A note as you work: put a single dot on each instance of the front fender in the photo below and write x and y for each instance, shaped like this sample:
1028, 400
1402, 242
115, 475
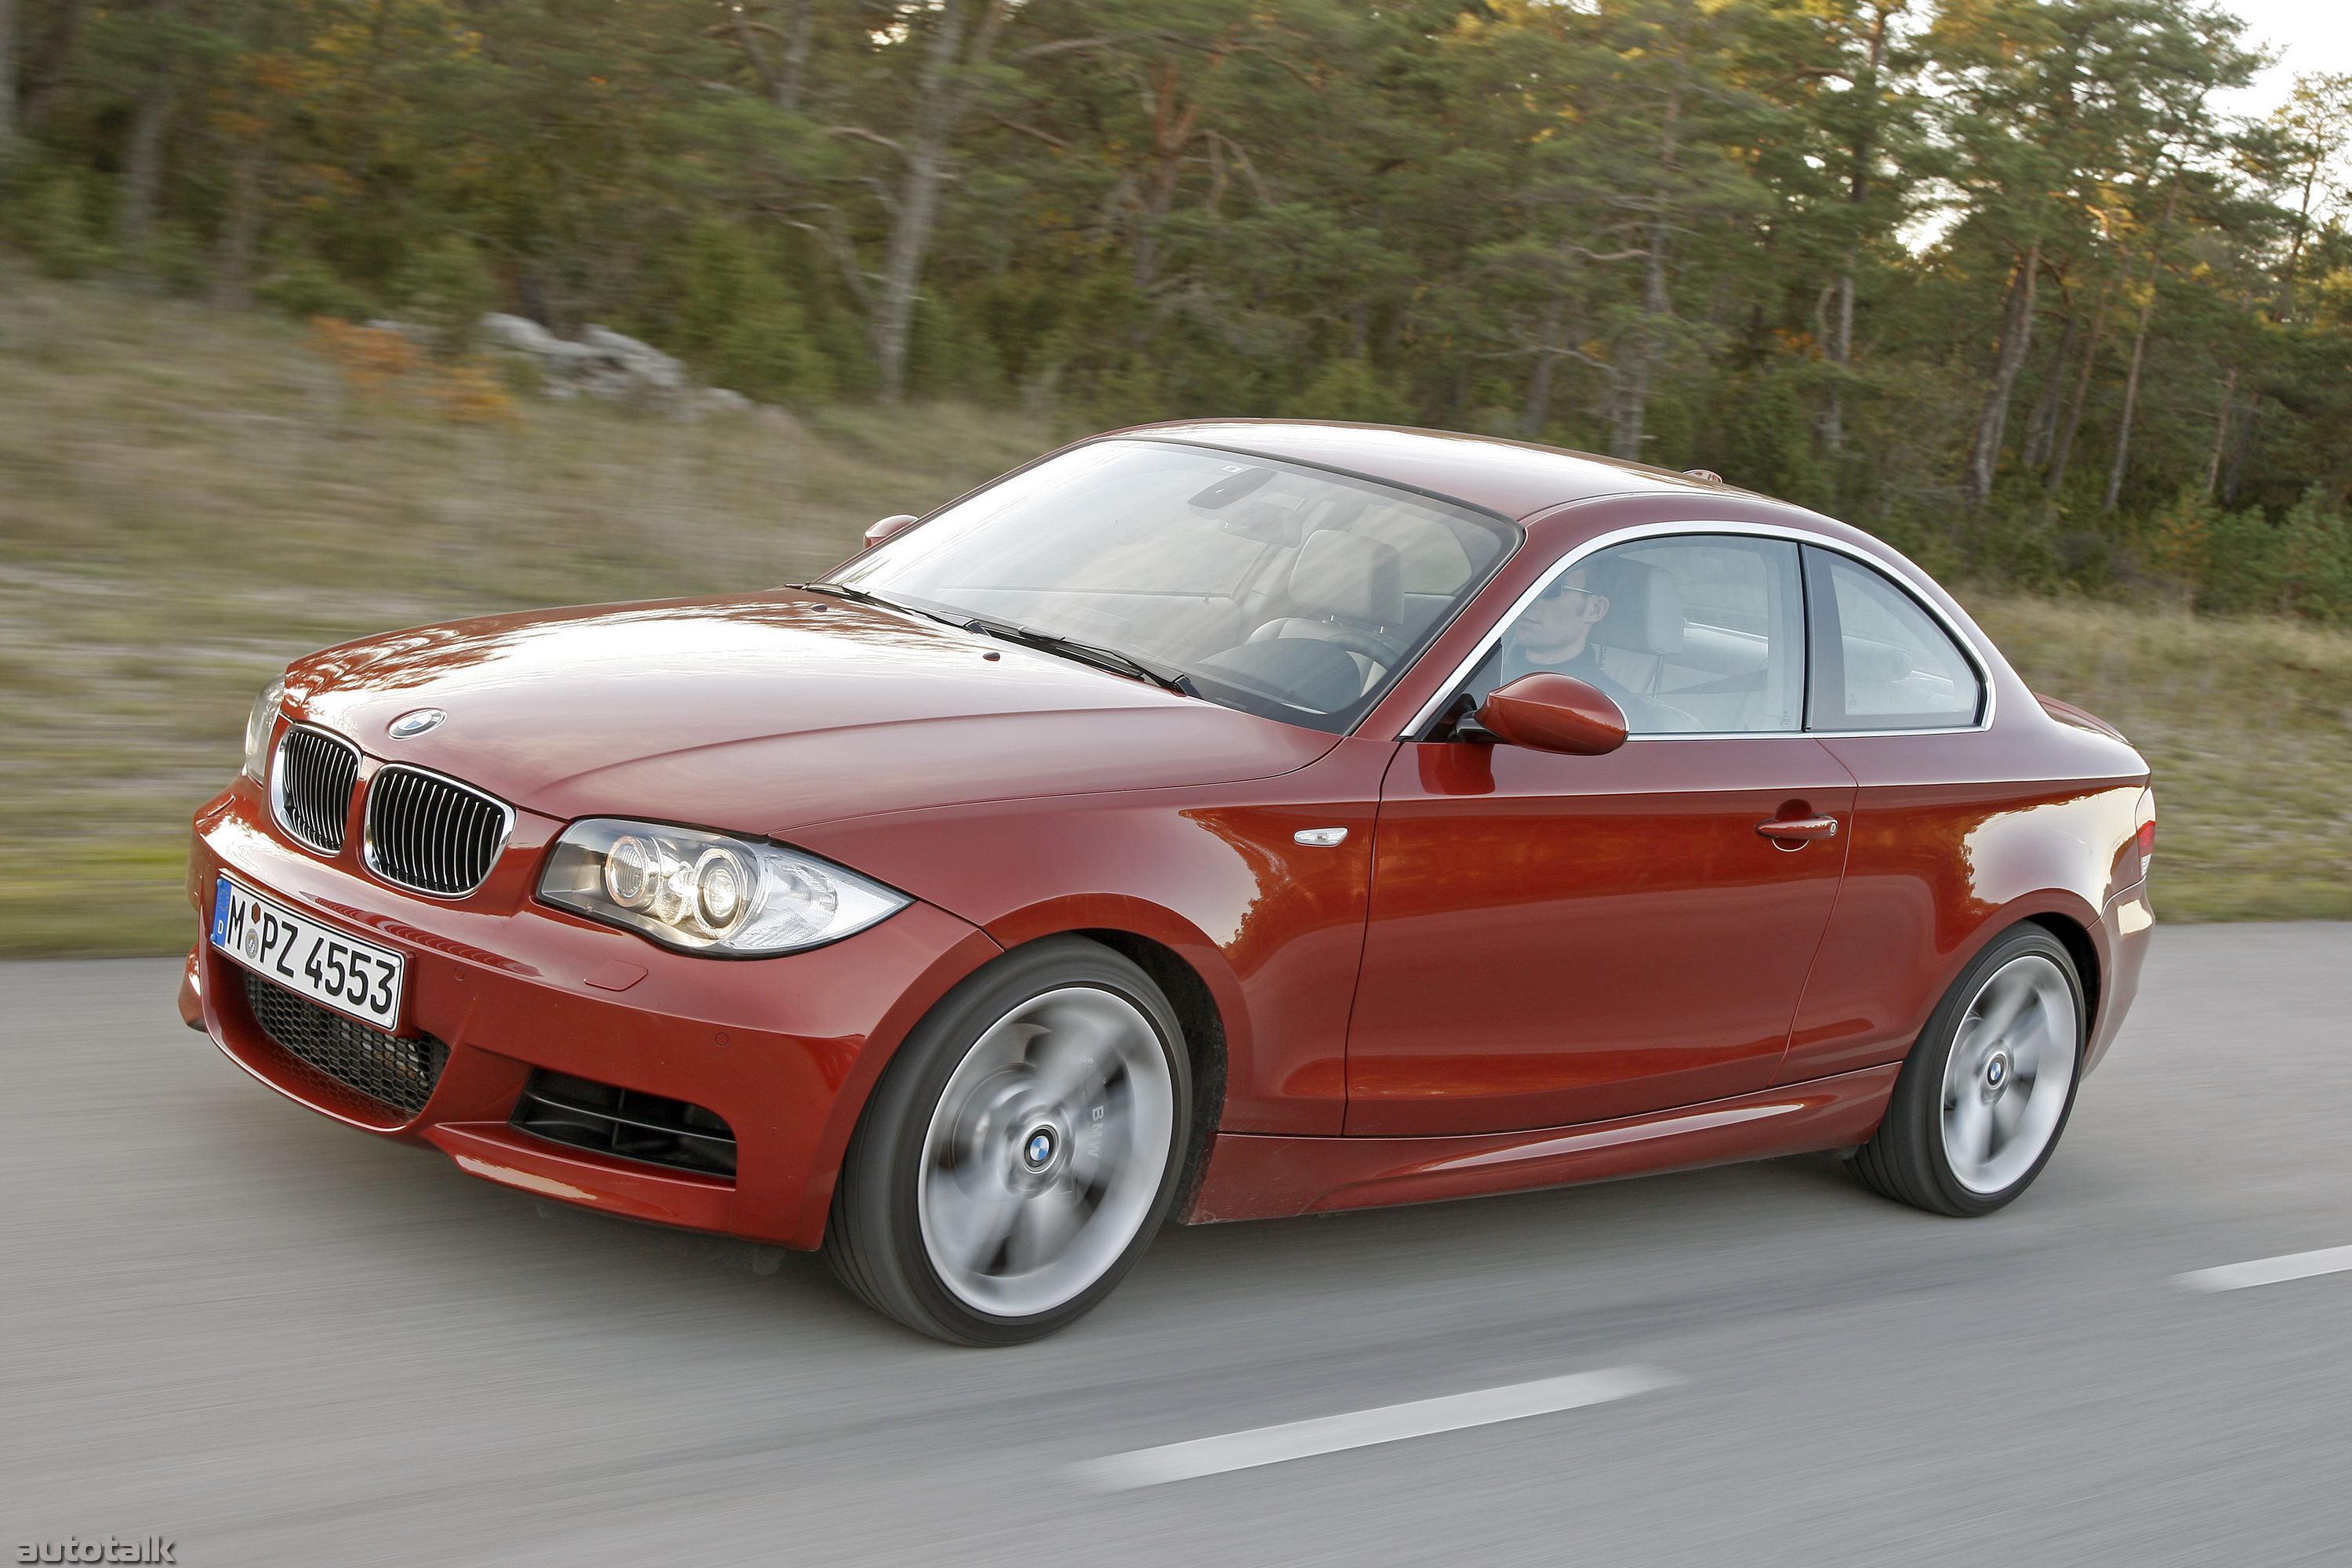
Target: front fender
1274, 928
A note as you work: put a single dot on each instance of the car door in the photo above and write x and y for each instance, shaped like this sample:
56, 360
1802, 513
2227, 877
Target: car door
1899, 700
1555, 939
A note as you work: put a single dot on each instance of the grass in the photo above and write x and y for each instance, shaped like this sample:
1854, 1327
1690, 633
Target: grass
2247, 725
188, 500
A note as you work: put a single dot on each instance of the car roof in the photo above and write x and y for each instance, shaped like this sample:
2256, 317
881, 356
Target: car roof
1516, 478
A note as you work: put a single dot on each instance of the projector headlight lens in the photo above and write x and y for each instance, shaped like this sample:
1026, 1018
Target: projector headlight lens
709, 892
632, 870
258, 723
722, 889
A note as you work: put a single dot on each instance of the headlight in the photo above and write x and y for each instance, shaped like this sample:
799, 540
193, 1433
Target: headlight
257, 725
709, 892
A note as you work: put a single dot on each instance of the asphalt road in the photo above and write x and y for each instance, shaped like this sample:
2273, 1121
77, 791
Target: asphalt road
277, 1340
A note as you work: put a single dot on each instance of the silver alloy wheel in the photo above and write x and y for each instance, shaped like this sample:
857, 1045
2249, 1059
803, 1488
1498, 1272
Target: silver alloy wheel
1045, 1151
2007, 1077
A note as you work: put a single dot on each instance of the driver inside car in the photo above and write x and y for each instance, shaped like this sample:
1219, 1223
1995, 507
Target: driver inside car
1555, 634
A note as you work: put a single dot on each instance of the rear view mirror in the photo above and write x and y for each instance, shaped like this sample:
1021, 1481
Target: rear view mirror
1265, 523
889, 526
1231, 488
1548, 711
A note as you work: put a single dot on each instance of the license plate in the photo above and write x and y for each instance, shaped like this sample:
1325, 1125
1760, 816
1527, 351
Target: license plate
331, 967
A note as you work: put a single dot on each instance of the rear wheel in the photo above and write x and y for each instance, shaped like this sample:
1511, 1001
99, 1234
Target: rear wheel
1986, 1091
1019, 1151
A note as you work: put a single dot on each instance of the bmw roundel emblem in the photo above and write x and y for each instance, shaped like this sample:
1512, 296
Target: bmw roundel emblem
408, 726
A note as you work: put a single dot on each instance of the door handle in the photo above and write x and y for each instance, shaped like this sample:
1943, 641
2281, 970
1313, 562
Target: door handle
1804, 829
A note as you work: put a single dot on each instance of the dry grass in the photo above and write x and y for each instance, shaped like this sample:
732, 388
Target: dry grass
188, 500
2248, 727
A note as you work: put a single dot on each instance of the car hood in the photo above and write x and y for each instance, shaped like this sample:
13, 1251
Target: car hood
760, 713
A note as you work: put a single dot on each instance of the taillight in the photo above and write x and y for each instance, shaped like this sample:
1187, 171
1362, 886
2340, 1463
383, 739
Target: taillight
2146, 836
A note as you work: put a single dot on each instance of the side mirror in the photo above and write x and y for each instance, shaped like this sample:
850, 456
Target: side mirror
1548, 711
889, 526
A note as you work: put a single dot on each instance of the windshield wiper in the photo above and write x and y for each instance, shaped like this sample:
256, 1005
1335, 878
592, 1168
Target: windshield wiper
860, 596
1168, 677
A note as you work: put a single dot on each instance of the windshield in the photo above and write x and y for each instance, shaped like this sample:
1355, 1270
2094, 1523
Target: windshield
1277, 589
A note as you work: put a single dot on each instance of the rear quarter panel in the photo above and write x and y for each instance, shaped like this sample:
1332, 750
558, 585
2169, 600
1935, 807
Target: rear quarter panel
1957, 837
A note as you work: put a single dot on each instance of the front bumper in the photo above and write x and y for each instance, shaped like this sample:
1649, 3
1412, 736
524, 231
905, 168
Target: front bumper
783, 1049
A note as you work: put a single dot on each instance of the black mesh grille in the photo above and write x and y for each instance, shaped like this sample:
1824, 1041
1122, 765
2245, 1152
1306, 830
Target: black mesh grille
400, 1073
612, 1121
315, 776
431, 833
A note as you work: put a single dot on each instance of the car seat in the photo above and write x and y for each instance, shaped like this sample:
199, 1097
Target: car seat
1347, 589
1642, 631
1644, 620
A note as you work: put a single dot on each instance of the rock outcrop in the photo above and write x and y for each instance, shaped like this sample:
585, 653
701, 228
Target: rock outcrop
607, 365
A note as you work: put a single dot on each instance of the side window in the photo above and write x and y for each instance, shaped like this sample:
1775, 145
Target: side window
1699, 634
1880, 661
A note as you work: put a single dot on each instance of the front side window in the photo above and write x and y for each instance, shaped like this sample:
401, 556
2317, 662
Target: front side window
1880, 661
1698, 634
1272, 587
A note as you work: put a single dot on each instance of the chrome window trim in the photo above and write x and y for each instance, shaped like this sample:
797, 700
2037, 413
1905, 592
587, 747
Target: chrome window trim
278, 785
1960, 640
367, 831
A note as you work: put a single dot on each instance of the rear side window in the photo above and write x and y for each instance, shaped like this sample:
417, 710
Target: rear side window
1879, 660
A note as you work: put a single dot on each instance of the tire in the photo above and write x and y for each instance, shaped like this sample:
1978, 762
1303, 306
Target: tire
1986, 1092
1020, 1150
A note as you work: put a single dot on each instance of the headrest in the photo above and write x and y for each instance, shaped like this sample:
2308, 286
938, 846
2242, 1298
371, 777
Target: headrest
1349, 575
1645, 613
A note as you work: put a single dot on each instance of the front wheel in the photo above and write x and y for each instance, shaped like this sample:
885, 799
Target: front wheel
1986, 1091
1019, 1151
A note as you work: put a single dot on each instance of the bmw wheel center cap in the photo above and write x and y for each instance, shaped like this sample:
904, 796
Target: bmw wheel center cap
408, 726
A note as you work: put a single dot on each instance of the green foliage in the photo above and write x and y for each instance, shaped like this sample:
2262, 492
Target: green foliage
951, 355
734, 319
2246, 561
49, 213
174, 260
2180, 543
1759, 427
444, 288
305, 287
1680, 231
2315, 558
1350, 389
2241, 567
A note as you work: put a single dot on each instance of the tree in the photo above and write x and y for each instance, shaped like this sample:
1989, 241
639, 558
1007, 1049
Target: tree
7, 79
1879, 254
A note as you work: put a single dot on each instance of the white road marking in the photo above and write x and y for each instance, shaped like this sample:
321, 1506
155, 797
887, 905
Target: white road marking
2269, 1270
1363, 1428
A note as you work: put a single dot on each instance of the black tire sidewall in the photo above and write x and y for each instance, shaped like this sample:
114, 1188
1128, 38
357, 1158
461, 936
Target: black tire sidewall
1908, 1152
875, 1235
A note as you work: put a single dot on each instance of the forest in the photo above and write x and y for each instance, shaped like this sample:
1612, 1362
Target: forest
1997, 280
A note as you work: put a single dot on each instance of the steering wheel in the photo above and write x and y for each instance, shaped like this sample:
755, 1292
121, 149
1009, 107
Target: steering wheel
1379, 650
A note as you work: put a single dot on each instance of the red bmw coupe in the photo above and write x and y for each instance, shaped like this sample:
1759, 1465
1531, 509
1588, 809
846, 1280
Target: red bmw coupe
1208, 821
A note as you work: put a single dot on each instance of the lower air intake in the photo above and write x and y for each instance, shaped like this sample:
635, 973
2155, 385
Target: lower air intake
400, 1073
621, 1122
